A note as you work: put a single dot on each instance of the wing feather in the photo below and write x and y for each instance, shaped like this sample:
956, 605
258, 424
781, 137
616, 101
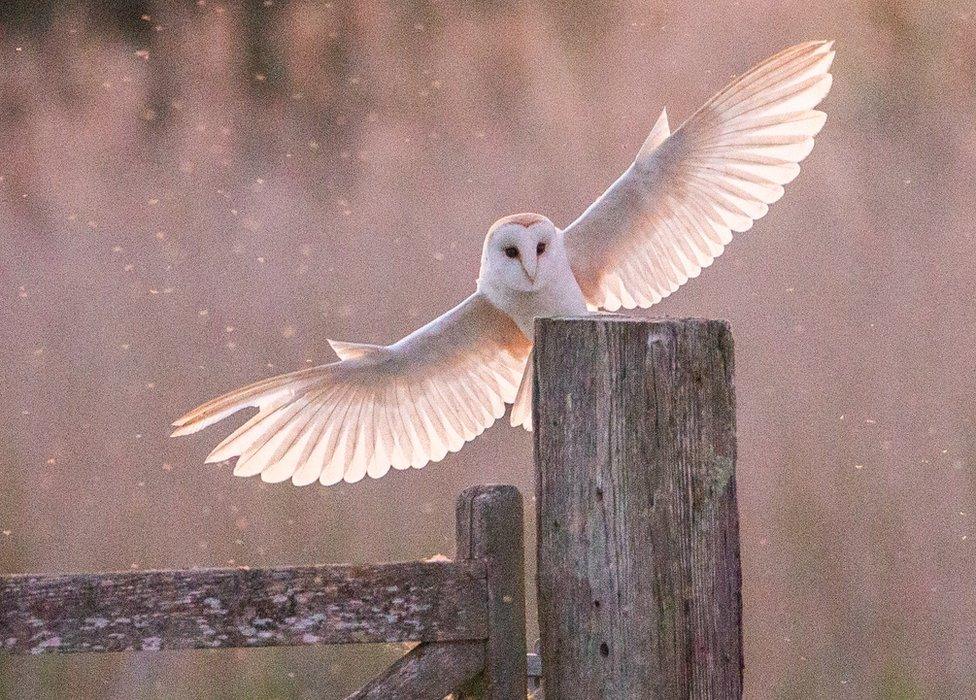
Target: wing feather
398, 406
675, 209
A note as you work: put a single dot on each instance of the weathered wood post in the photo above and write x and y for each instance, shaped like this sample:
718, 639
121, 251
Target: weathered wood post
490, 528
638, 542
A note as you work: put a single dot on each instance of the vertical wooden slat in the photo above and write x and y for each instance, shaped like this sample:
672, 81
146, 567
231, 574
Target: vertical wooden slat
490, 528
639, 575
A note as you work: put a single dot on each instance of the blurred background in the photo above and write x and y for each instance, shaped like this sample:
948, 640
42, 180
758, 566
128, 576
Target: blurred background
194, 195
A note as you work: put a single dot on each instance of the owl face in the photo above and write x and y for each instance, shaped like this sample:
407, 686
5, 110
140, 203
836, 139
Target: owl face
520, 253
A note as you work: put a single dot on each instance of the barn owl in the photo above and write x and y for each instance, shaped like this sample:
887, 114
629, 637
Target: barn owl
668, 216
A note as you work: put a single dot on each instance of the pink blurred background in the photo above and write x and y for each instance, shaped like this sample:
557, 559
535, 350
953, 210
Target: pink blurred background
196, 195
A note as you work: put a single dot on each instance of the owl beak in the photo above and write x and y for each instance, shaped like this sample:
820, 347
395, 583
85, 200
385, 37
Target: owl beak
530, 268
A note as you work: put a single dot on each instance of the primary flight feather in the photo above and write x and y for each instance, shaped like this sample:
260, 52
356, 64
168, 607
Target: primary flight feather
669, 215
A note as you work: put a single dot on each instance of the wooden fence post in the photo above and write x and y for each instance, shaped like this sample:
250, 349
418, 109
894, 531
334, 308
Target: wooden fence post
490, 528
638, 542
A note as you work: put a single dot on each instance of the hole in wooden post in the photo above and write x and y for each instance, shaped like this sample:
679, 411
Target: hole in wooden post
599, 493
604, 649
596, 604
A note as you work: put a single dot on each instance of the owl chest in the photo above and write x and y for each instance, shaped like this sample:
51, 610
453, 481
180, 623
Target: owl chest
554, 300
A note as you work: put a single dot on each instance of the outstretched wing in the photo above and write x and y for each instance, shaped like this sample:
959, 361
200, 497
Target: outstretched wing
674, 209
401, 405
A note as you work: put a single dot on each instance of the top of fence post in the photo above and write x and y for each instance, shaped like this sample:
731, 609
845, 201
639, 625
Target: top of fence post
490, 528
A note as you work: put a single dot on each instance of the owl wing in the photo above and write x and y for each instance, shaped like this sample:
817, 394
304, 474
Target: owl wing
399, 406
674, 210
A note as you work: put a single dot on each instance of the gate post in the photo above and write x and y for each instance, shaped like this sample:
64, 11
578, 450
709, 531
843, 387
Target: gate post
638, 539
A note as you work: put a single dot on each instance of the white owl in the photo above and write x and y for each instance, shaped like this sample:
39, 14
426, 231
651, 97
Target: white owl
669, 215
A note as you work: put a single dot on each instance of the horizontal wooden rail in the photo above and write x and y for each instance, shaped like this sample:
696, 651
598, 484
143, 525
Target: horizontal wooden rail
468, 615
212, 608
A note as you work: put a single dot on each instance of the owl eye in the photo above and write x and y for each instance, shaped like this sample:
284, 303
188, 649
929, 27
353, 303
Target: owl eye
540, 249
511, 251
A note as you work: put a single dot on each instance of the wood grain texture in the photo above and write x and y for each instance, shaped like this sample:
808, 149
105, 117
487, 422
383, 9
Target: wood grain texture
490, 529
639, 574
209, 608
430, 671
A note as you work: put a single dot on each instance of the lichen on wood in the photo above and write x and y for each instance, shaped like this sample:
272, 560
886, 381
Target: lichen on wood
210, 608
